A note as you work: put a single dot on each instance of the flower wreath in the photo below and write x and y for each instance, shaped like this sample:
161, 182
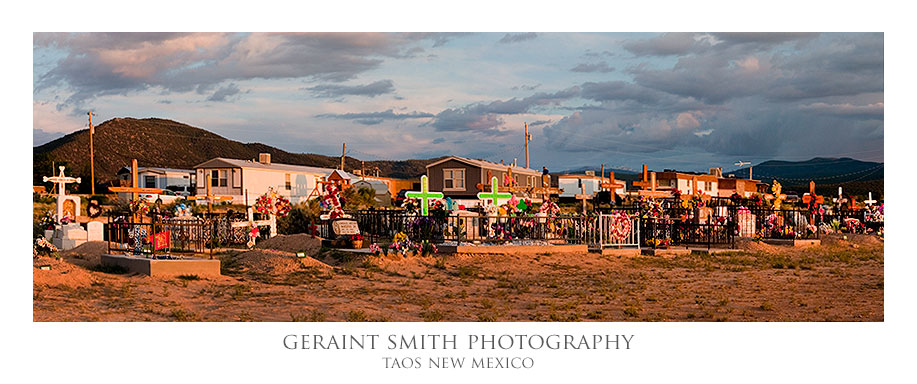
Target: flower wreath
271, 203
94, 209
139, 206
620, 226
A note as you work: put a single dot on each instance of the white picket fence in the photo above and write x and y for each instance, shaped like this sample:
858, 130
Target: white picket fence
605, 238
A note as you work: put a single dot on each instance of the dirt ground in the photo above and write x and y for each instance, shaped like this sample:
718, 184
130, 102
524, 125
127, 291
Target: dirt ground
841, 280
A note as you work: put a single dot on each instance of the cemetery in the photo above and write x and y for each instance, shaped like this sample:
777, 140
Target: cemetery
342, 238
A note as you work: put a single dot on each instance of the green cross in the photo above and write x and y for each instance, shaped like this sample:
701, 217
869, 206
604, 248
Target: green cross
494, 195
424, 195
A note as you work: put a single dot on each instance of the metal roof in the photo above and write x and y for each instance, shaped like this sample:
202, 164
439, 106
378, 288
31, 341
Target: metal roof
235, 163
486, 164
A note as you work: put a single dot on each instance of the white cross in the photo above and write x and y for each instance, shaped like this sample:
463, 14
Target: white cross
870, 201
61, 181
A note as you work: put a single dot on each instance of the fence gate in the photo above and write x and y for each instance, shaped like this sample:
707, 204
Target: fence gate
615, 230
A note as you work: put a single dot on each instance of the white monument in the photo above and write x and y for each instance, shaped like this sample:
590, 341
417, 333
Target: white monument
95, 231
70, 235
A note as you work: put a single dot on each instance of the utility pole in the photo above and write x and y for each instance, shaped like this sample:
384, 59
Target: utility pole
741, 163
343, 150
92, 165
526, 144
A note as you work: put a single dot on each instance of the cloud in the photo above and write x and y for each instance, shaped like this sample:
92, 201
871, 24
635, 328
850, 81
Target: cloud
485, 117
374, 89
524, 87
97, 65
539, 122
385, 115
517, 37
40, 137
438, 140
664, 45
369, 121
876, 110
593, 67
224, 93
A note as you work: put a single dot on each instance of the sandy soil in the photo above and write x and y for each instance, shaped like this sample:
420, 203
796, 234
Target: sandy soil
842, 280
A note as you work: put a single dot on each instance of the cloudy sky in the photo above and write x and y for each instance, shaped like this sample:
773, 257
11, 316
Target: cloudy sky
671, 100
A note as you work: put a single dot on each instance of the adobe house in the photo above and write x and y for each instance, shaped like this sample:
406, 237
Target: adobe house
235, 178
459, 177
687, 183
744, 187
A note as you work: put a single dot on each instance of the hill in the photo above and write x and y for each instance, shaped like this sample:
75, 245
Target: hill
855, 176
166, 143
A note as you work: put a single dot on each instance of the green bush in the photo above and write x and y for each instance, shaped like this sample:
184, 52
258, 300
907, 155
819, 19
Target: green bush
300, 217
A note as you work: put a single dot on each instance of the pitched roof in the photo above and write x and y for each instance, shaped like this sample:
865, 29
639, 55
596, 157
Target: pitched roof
127, 169
485, 164
235, 163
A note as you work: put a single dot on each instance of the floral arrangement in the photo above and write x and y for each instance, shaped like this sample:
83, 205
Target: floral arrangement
811, 229
354, 237
853, 225
620, 226
736, 198
875, 213
375, 249
776, 189
411, 205
42, 247
402, 244
139, 206
516, 207
756, 200
658, 242
550, 208
47, 221
651, 209
676, 194
271, 203
252, 235
94, 209
182, 210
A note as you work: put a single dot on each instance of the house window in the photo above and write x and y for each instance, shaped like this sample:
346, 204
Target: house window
149, 181
708, 186
218, 178
454, 179
286, 179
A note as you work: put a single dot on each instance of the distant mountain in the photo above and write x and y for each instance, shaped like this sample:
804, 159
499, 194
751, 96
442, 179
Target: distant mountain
165, 143
820, 169
855, 176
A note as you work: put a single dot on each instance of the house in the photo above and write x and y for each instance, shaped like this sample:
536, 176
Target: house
153, 177
687, 183
588, 184
383, 196
396, 185
462, 178
245, 180
744, 187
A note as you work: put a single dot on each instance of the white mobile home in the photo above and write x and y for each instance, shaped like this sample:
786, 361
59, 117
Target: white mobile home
241, 178
152, 177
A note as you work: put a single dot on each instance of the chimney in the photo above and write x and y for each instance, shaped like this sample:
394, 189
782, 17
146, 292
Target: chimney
718, 172
590, 173
264, 158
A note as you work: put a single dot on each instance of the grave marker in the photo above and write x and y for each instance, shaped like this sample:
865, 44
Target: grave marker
72, 204
424, 195
344, 227
494, 194
869, 201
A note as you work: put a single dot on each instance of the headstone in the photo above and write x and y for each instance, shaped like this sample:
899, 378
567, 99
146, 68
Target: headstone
345, 227
69, 236
469, 224
746, 221
95, 231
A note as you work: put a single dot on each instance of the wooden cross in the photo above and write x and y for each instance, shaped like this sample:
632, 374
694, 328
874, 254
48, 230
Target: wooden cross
424, 195
210, 197
583, 196
494, 194
808, 198
134, 190
870, 201
61, 181
651, 184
